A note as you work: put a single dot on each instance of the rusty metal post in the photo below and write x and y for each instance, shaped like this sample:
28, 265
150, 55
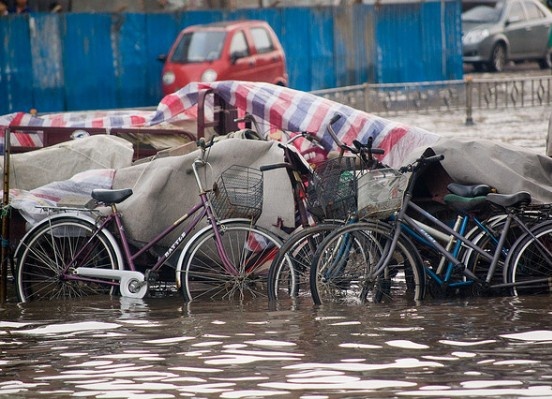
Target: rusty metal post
469, 105
5, 220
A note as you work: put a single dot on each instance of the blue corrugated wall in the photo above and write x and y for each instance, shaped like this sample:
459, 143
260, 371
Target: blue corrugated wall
68, 62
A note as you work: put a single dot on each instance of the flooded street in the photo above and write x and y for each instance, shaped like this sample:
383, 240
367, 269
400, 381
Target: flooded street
160, 348
112, 347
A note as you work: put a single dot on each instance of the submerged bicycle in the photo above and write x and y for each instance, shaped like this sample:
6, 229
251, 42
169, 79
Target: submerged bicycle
75, 253
378, 261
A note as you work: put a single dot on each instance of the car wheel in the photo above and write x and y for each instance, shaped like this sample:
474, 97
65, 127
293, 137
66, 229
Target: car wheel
498, 58
546, 62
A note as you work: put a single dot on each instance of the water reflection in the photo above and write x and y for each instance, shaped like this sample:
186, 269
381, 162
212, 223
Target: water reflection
161, 348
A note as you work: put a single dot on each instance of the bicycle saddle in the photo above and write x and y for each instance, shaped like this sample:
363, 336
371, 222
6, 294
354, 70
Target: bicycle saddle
469, 190
111, 196
509, 200
464, 203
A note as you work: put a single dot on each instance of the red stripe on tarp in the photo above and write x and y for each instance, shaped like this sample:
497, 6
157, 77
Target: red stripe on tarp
137, 120
23, 139
16, 121
392, 138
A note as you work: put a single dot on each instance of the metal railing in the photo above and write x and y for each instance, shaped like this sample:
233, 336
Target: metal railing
469, 94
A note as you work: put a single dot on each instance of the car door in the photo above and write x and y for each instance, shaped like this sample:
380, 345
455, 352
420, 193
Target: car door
242, 62
538, 27
515, 30
268, 60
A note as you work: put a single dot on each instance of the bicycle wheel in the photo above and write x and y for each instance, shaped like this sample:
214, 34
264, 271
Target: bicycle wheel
250, 249
529, 264
288, 275
43, 270
343, 267
488, 241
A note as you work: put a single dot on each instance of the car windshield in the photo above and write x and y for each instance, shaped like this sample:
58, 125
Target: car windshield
199, 46
482, 12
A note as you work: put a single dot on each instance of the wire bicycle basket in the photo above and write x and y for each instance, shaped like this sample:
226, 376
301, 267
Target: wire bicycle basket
238, 193
380, 192
332, 191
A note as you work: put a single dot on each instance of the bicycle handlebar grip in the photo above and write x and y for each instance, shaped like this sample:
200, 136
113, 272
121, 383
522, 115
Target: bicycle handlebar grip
335, 118
276, 166
433, 158
368, 147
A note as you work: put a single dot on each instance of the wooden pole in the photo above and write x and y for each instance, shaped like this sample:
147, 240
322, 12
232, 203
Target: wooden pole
5, 220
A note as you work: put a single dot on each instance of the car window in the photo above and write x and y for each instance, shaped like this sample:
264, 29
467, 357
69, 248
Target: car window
488, 12
262, 40
199, 46
516, 13
533, 11
238, 46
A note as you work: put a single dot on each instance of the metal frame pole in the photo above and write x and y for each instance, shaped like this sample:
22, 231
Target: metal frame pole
5, 219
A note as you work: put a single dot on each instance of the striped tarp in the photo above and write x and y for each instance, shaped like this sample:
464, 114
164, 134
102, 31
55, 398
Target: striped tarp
276, 106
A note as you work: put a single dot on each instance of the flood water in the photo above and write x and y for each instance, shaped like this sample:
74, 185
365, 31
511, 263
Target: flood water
160, 348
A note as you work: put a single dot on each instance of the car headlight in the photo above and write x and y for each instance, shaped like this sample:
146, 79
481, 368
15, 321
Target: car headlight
209, 75
475, 36
168, 78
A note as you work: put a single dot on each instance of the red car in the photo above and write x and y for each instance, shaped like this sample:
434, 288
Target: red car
235, 50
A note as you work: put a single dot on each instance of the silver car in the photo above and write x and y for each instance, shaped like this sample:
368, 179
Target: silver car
498, 31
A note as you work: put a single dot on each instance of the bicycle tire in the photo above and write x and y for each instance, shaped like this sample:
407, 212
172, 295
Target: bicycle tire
204, 276
403, 279
479, 265
45, 250
288, 276
530, 259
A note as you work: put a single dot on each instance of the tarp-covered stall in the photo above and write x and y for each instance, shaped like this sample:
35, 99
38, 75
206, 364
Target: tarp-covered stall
163, 187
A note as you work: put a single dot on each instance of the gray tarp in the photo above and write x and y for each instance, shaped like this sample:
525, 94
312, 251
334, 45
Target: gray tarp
59, 162
508, 168
165, 188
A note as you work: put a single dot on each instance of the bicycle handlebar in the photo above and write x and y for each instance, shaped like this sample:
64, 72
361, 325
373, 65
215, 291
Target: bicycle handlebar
421, 162
368, 147
358, 146
286, 165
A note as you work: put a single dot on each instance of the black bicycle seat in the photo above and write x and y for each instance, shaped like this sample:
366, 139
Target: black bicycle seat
509, 200
111, 196
469, 190
464, 203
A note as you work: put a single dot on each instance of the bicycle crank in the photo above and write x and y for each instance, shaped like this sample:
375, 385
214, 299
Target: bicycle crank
132, 284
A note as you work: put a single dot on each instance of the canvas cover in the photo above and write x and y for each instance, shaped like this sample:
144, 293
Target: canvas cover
60, 162
165, 188
506, 167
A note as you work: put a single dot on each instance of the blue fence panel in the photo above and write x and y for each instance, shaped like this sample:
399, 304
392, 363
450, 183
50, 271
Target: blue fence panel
453, 40
89, 63
16, 75
47, 63
322, 47
200, 17
418, 42
398, 40
161, 30
294, 35
129, 31
353, 44
364, 30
